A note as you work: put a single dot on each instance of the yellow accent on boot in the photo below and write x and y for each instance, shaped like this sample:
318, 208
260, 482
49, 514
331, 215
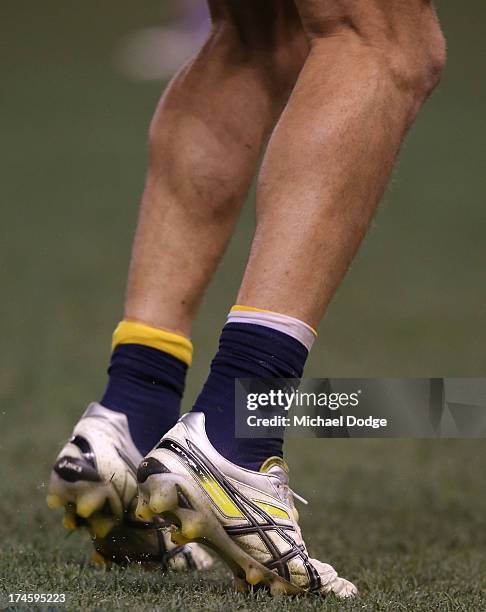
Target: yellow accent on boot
130, 332
271, 461
273, 510
220, 498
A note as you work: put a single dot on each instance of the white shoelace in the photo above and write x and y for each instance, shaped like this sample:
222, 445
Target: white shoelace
287, 491
297, 496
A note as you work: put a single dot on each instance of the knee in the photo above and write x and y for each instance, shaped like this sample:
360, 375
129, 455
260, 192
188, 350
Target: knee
416, 60
403, 41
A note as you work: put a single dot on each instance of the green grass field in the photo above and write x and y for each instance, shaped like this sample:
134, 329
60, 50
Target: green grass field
404, 519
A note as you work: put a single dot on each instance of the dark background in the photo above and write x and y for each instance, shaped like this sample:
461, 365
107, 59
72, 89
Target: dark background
73, 144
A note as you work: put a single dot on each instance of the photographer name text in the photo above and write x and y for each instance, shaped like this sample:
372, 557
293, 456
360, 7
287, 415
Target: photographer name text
317, 421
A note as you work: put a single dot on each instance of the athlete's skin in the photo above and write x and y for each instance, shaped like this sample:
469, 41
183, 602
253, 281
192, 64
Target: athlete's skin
342, 81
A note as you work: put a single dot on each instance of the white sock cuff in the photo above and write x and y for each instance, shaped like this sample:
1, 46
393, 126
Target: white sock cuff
283, 323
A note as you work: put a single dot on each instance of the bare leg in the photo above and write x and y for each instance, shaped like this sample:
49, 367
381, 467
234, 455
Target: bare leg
205, 142
371, 66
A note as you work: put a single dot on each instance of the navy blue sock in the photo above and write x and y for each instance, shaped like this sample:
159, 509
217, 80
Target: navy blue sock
246, 351
146, 385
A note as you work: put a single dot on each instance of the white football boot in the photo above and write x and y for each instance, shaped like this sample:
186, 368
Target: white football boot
247, 517
94, 479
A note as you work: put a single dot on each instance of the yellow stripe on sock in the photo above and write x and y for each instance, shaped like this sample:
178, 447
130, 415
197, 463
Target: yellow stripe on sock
129, 332
249, 309
252, 309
